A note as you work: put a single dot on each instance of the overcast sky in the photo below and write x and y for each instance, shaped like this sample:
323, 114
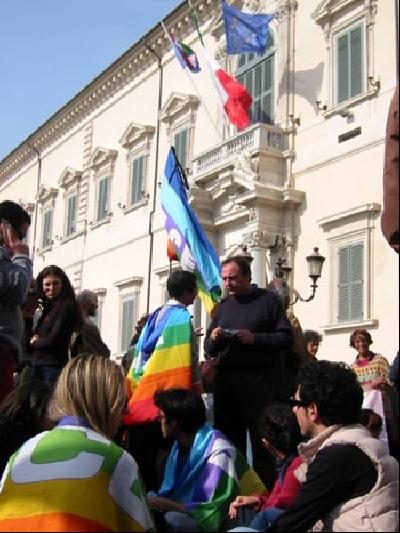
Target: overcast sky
50, 49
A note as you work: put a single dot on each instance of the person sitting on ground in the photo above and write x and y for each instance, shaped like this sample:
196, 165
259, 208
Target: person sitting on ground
22, 416
281, 435
204, 471
74, 477
349, 481
87, 338
372, 421
312, 339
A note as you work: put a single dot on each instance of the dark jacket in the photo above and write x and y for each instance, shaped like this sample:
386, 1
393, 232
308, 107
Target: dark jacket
262, 313
88, 341
54, 328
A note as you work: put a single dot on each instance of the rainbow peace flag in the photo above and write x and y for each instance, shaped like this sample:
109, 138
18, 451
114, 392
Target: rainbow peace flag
194, 250
215, 473
72, 479
162, 360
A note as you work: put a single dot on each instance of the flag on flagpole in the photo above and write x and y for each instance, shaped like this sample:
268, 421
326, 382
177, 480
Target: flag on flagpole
185, 55
245, 32
193, 248
234, 97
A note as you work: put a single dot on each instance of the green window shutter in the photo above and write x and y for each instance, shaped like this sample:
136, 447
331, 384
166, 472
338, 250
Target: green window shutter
343, 285
343, 68
47, 228
71, 215
356, 63
356, 269
137, 179
102, 203
128, 306
181, 147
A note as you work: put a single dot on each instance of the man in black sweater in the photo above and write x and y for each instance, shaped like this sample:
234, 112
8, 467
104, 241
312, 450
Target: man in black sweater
249, 334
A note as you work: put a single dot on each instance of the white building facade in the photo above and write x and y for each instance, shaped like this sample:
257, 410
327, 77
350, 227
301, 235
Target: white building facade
306, 173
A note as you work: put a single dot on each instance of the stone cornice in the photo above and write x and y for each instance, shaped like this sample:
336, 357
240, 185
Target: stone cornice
124, 70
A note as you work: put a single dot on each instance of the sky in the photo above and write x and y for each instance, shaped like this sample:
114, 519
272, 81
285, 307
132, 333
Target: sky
51, 49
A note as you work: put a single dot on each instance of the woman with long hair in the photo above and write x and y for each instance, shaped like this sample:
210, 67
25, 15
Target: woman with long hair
56, 319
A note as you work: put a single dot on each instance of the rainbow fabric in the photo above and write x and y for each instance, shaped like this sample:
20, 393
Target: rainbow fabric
72, 479
162, 359
184, 230
214, 474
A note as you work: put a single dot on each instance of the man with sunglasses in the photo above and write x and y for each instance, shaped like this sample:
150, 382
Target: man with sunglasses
349, 482
15, 279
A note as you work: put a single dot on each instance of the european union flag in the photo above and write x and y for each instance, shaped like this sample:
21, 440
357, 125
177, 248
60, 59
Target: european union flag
245, 32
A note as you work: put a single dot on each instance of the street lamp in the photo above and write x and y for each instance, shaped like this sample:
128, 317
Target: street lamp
315, 262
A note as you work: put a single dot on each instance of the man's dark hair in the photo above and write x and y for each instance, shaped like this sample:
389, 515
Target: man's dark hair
15, 215
181, 281
184, 406
279, 426
312, 336
242, 263
334, 388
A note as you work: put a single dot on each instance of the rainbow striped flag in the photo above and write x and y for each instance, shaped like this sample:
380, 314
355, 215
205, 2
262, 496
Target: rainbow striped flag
162, 360
214, 474
72, 479
194, 250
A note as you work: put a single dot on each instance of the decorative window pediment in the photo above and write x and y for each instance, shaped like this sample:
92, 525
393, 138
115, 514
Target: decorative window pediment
329, 9
46, 194
69, 178
136, 134
102, 158
179, 106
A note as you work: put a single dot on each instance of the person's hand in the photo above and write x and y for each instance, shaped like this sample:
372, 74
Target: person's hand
245, 336
217, 334
12, 240
378, 383
241, 501
154, 502
198, 332
34, 339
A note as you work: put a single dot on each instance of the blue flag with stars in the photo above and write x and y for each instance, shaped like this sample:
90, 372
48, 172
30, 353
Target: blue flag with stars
245, 32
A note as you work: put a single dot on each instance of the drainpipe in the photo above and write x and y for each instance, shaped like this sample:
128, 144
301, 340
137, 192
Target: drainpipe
38, 180
153, 210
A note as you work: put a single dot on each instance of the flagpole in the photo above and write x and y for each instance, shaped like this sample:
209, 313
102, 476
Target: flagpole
196, 90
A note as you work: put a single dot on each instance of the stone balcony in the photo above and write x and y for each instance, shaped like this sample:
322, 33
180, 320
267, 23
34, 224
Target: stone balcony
260, 141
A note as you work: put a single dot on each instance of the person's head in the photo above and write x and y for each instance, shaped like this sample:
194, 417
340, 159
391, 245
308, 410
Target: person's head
180, 410
372, 421
312, 339
279, 429
91, 387
16, 216
328, 393
88, 302
236, 275
27, 402
182, 286
361, 340
52, 282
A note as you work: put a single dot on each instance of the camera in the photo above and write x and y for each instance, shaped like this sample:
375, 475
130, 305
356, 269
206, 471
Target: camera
229, 332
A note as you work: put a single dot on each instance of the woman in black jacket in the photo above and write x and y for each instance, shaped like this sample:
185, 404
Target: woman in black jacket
58, 316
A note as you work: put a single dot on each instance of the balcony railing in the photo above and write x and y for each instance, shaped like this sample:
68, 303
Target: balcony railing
258, 137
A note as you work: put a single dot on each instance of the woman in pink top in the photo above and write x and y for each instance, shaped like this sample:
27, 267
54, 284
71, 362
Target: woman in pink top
280, 434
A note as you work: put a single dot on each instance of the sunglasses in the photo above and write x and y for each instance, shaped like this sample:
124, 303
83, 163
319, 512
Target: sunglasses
293, 402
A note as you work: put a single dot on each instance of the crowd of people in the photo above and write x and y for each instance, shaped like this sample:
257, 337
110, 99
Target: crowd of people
87, 444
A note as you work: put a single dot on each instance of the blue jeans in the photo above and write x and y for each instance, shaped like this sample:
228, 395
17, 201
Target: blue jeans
180, 522
264, 519
48, 374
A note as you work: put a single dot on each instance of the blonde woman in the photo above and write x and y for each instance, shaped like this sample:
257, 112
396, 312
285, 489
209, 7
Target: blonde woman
74, 477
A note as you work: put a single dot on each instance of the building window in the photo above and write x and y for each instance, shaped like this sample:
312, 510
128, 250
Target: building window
350, 63
47, 227
256, 73
103, 185
137, 179
181, 146
128, 317
71, 215
351, 282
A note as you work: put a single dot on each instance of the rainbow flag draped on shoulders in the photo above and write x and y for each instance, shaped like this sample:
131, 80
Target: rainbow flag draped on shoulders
72, 479
162, 359
214, 474
194, 250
